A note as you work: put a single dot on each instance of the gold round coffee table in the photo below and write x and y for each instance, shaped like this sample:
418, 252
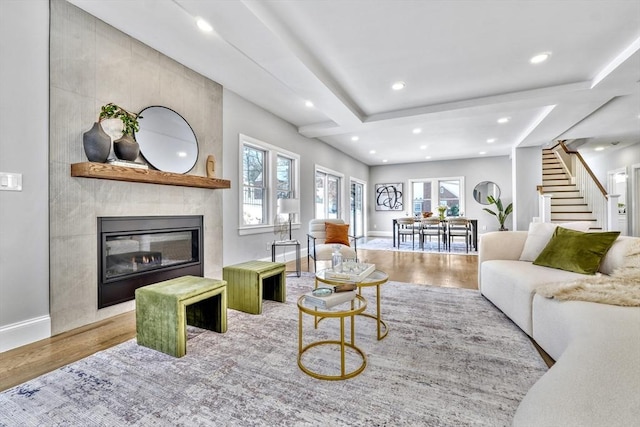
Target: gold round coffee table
341, 311
377, 278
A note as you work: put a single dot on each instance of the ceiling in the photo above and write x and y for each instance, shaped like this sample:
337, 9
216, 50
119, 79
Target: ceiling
465, 64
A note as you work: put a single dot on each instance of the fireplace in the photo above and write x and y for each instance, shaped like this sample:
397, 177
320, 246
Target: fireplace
138, 251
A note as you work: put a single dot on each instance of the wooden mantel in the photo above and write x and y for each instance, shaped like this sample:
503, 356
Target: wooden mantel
121, 173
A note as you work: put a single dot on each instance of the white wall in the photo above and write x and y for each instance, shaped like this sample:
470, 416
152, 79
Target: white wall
24, 216
242, 117
527, 166
601, 163
496, 169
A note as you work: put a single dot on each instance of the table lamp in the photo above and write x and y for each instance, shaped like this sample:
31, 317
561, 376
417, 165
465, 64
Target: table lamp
290, 207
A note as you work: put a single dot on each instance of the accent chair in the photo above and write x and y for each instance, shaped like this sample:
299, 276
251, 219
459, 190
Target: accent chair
319, 249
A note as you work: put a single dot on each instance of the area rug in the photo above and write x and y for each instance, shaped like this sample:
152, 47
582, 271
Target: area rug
386, 244
450, 359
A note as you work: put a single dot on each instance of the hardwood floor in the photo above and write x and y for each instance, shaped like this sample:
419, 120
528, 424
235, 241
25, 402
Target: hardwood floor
27, 362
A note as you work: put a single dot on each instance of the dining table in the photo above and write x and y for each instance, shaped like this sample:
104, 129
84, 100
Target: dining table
474, 231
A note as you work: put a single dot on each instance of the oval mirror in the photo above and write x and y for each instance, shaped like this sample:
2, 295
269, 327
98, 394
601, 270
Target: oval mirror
485, 189
166, 140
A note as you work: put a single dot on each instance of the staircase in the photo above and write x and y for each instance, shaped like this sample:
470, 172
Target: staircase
567, 205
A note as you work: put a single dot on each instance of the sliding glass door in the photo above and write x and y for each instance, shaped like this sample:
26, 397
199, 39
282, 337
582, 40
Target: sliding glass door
327, 195
357, 209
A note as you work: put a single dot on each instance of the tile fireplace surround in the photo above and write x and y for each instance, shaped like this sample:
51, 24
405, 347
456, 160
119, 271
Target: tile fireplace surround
92, 64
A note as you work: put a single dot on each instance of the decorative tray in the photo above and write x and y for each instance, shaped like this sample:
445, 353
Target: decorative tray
351, 272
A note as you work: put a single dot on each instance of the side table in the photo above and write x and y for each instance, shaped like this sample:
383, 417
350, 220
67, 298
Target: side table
342, 311
287, 243
377, 278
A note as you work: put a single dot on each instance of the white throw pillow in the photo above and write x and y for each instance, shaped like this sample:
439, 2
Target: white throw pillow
540, 233
615, 256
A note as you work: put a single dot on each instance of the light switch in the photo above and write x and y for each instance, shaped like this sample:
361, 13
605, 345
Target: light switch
10, 181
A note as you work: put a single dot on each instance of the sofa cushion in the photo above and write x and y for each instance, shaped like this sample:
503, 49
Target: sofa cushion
541, 232
510, 286
595, 383
615, 257
556, 323
576, 251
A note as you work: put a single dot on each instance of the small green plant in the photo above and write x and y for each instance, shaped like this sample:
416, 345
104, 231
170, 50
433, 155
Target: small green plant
129, 120
502, 214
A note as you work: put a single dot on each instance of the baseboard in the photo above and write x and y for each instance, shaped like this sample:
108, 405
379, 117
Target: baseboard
379, 234
25, 332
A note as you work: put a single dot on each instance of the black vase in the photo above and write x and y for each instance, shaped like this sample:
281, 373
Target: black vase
126, 148
96, 143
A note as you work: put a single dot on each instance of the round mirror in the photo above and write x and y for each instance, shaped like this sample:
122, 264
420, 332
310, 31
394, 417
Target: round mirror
485, 189
166, 140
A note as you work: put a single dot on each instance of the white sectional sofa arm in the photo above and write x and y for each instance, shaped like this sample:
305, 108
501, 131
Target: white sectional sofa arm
506, 245
501, 245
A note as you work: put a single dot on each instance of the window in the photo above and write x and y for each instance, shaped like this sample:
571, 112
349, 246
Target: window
269, 173
285, 177
328, 194
254, 191
447, 192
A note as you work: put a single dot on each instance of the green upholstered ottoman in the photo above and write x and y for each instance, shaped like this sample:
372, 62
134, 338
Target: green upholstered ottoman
164, 309
249, 282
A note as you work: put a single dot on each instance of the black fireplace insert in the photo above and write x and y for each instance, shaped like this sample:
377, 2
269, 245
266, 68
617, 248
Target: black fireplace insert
138, 251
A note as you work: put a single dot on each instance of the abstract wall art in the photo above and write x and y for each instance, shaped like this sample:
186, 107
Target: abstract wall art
389, 197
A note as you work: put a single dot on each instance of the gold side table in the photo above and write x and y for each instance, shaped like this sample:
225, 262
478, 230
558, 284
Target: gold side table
342, 311
377, 279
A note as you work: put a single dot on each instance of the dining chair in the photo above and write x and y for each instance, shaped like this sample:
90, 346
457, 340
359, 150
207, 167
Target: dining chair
408, 227
459, 227
430, 227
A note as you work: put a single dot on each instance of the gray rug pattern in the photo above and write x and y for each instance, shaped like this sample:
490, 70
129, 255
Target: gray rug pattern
386, 244
450, 359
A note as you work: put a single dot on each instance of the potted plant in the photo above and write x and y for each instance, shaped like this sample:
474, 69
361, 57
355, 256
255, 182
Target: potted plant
125, 147
129, 120
502, 214
441, 210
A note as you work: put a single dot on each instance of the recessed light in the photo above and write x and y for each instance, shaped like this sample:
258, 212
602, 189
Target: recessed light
541, 57
385, 161
482, 153
423, 147
372, 152
355, 138
398, 85
504, 119
599, 148
491, 140
203, 25
308, 104
417, 131
427, 157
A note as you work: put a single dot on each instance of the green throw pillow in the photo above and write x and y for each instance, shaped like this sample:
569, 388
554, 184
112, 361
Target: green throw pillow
576, 251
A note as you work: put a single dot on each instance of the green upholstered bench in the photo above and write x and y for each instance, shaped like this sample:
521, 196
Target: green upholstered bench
164, 309
250, 282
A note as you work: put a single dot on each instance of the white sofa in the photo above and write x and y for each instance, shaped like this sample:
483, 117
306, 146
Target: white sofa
596, 378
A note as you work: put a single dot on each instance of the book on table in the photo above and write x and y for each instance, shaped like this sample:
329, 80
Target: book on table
330, 300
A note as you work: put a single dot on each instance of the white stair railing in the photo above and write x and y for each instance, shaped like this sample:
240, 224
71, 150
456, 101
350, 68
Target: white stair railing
595, 196
545, 206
